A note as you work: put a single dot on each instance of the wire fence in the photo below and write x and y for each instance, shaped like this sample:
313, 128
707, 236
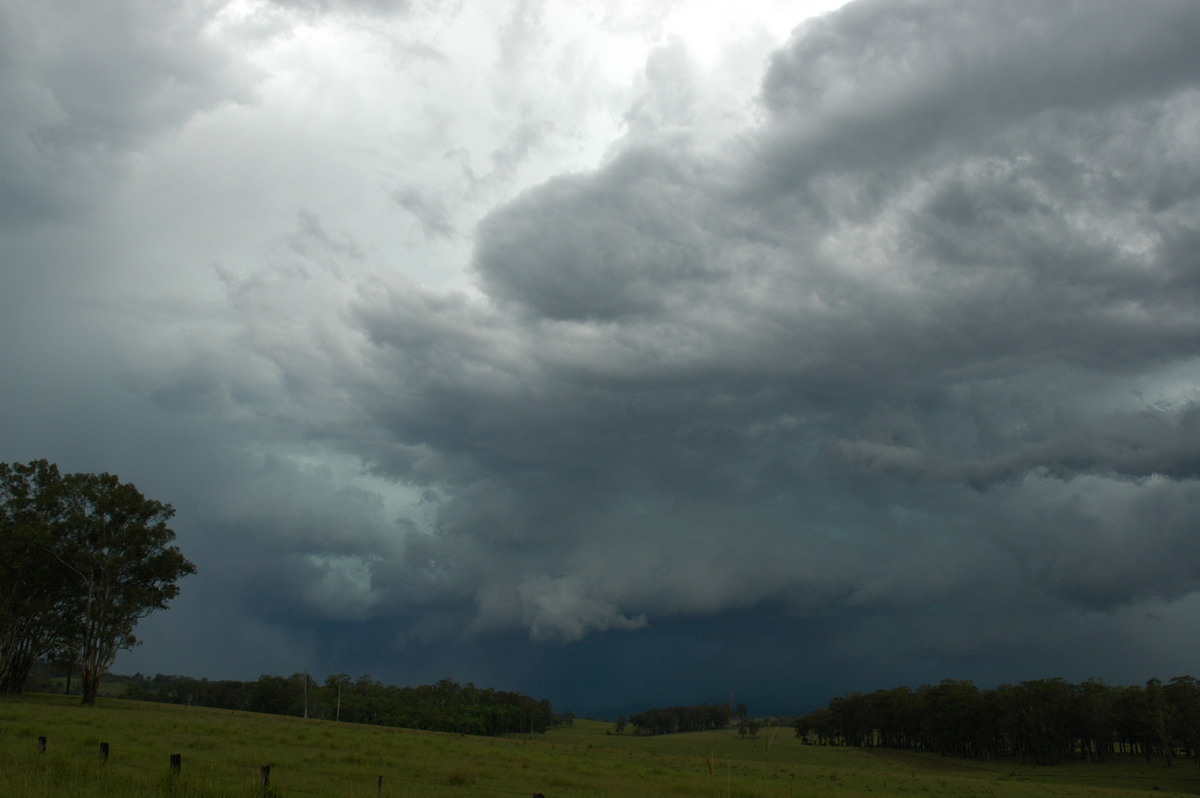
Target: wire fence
201, 775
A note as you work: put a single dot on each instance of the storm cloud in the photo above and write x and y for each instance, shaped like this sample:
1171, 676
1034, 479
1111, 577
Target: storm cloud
897, 350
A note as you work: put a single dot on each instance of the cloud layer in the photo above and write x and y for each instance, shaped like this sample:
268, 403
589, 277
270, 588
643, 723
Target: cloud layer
898, 350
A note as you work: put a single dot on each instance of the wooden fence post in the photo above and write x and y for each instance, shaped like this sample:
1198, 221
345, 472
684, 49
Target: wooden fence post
379, 789
41, 745
104, 753
264, 777
176, 764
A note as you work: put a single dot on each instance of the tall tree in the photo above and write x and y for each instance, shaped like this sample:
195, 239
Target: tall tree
33, 587
1096, 718
116, 545
1183, 696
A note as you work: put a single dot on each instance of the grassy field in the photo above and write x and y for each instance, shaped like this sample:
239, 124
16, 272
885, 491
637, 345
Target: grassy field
223, 752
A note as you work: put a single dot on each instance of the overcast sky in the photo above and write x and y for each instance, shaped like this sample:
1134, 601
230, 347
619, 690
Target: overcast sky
629, 356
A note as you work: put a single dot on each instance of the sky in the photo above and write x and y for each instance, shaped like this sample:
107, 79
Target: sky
625, 357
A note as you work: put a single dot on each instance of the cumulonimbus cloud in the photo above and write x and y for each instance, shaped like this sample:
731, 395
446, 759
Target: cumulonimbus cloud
952, 256
911, 337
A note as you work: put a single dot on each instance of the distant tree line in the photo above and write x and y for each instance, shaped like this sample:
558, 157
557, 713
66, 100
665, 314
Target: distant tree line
83, 557
1044, 721
670, 720
446, 706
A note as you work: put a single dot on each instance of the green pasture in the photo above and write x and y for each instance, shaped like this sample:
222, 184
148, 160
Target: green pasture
222, 753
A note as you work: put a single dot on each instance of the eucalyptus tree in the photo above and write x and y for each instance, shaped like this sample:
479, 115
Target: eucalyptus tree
1183, 697
33, 585
84, 558
117, 547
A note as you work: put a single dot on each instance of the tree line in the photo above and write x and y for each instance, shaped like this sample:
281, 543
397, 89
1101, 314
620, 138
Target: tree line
1044, 720
83, 557
670, 720
445, 706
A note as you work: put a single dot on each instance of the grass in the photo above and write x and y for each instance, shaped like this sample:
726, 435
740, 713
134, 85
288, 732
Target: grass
222, 753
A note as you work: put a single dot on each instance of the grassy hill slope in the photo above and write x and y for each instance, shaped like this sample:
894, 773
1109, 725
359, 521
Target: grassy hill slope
223, 752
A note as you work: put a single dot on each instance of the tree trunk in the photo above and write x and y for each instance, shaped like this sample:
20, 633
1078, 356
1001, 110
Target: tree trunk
20, 647
91, 686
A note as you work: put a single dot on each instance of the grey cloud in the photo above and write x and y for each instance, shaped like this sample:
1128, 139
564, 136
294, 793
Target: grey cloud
853, 90
855, 356
87, 84
521, 31
1057, 442
1102, 545
347, 6
313, 242
671, 96
430, 212
559, 608
522, 143
622, 243
918, 349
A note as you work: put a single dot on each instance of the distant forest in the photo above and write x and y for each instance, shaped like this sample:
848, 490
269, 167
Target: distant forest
669, 720
1044, 721
446, 706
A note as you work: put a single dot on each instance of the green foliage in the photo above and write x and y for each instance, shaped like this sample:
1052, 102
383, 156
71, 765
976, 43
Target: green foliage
84, 558
1045, 721
446, 706
673, 720
33, 583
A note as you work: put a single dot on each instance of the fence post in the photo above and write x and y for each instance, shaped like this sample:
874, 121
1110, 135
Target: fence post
104, 753
264, 777
41, 745
176, 763
379, 789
